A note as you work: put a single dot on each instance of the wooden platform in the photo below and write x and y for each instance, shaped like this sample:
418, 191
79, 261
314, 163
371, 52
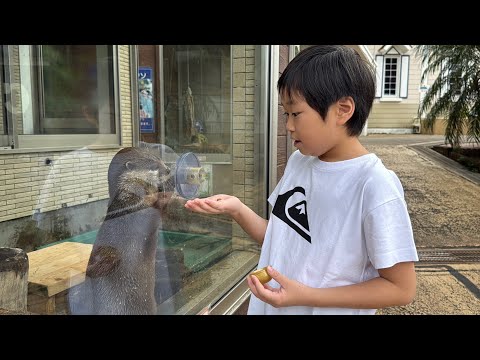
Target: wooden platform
52, 271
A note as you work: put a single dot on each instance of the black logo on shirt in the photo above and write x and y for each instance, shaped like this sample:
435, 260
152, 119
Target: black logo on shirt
295, 215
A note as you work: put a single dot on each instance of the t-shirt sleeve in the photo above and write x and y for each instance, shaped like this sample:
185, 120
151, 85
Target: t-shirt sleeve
291, 161
389, 236
273, 196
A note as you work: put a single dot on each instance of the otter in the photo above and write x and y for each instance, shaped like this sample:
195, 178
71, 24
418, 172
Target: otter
120, 275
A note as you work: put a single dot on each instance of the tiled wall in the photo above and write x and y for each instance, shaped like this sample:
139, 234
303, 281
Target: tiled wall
126, 130
243, 132
282, 138
28, 184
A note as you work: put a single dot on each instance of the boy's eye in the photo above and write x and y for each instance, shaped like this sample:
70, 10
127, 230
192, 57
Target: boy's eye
293, 114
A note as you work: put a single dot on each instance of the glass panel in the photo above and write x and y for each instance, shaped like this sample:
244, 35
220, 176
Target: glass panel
76, 87
198, 99
105, 229
390, 79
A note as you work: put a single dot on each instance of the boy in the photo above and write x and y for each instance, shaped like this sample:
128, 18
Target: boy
339, 240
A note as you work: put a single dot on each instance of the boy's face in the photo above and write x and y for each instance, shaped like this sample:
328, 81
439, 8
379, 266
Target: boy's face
311, 134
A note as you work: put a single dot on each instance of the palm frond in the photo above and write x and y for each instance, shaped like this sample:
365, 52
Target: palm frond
455, 93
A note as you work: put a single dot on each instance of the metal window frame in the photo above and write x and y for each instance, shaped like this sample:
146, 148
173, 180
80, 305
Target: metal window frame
274, 61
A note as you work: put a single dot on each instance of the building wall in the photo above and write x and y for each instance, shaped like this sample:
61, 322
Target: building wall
282, 137
397, 115
243, 133
386, 116
126, 117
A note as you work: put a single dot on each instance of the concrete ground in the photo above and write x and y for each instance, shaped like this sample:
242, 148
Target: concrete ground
444, 205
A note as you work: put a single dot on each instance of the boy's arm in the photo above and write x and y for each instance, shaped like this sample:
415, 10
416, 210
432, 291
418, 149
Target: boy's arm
254, 225
395, 286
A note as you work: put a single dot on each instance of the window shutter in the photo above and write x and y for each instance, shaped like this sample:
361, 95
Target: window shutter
404, 76
379, 85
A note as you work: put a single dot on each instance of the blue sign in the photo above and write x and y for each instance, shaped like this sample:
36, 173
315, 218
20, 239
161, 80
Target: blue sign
145, 97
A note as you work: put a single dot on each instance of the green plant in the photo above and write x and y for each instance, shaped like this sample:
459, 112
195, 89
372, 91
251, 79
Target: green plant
455, 93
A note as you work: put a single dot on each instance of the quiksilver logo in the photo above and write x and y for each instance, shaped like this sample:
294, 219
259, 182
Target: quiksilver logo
291, 208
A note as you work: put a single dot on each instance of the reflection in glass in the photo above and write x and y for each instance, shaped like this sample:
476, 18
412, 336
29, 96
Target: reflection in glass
135, 263
120, 275
198, 98
77, 89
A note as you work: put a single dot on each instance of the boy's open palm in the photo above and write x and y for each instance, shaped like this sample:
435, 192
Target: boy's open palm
288, 294
216, 204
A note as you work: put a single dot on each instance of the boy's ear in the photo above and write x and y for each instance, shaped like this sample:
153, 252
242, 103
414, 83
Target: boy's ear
345, 109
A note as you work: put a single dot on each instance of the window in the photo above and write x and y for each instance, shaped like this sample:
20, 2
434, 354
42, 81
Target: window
392, 75
75, 89
58, 90
198, 100
454, 81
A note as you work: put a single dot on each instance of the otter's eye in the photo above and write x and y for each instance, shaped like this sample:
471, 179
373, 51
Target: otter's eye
130, 165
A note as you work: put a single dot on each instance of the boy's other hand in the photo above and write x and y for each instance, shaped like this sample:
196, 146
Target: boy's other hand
288, 294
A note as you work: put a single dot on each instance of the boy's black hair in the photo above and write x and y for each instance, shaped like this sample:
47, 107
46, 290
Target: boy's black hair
323, 74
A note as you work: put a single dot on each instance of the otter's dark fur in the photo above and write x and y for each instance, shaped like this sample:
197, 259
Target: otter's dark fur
120, 276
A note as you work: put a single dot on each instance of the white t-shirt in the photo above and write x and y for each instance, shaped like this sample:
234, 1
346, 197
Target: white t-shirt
334, 224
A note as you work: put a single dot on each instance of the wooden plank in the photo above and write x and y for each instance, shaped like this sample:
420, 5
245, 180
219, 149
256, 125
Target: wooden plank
38, 304
58, 267
13, 279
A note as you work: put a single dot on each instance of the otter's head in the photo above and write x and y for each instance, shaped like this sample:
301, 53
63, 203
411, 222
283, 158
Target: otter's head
142, 172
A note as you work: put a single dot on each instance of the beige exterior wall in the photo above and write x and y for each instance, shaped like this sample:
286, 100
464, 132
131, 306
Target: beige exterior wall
401, 114
243, 133
27, 184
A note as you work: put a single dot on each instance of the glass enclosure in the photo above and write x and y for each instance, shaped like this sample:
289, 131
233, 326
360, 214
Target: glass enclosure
102, 146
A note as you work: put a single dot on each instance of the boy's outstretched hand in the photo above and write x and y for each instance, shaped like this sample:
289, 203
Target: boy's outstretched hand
216, 204
289, 293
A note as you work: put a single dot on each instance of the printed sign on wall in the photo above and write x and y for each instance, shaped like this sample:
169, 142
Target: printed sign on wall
145, 88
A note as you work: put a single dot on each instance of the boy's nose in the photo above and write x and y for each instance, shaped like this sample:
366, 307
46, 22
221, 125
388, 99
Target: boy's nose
289, 124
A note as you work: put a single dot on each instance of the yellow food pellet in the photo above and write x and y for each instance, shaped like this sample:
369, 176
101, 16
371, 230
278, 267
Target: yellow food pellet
262, 275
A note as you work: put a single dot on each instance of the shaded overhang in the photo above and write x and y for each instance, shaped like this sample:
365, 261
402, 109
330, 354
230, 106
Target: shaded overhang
402, 49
